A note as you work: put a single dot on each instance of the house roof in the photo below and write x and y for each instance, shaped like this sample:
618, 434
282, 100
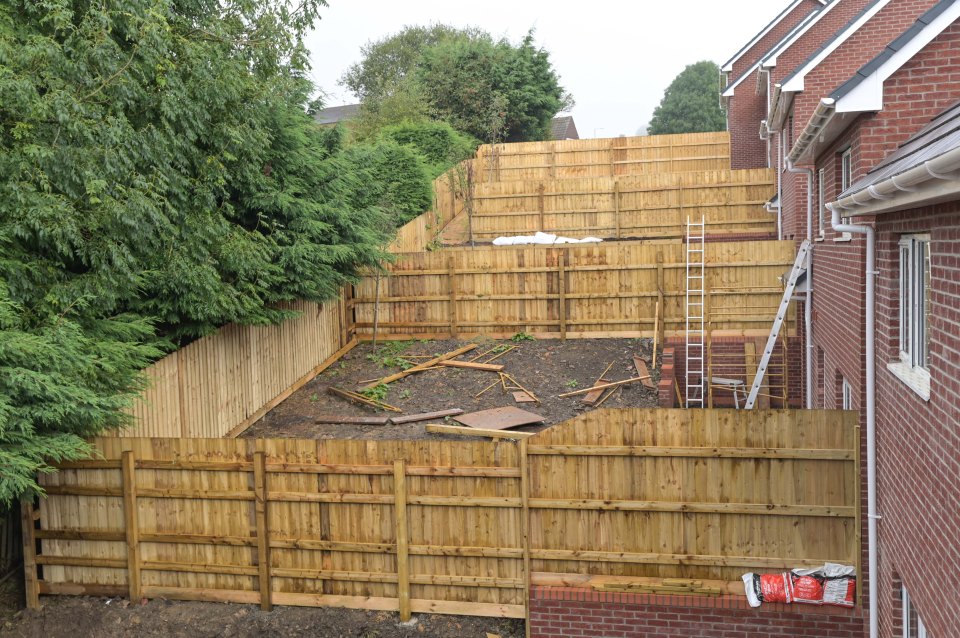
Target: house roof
922, 171
897, 45
794, 81
563, 128
334, 114
770, 59
728, 91
728, 65
940, 136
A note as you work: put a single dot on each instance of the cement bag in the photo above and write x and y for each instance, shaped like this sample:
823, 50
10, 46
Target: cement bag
807, 588
840, 586
767, 588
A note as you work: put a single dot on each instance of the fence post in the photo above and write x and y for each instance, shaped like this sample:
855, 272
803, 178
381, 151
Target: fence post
616, 205
400, 515
525, 528
131, 524
29, 553
263, 534
182, 395
660, 300
562, 290
540, 206
451, 274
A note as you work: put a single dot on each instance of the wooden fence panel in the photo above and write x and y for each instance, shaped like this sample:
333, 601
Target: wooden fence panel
227, 380
706, 494
609, 289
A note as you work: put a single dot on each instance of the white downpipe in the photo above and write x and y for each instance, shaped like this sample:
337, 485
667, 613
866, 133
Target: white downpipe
781, 153
807, 304
871, 371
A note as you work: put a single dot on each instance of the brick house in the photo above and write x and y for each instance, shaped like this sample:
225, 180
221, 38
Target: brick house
746, 109
862, 115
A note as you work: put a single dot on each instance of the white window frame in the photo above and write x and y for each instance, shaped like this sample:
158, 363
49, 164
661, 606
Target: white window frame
846, 178
822, 199
907, 610
913, 367
846, 394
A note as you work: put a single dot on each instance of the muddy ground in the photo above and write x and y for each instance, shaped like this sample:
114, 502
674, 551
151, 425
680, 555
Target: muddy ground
545, 367
85, 617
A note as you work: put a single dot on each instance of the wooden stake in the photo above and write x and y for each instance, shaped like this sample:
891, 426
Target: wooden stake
602, 387
517, 383
494, 358
400, 511
376, 312
437, 428
263, 539
29, 553
131, 524
359, 398
420, 367
482, 392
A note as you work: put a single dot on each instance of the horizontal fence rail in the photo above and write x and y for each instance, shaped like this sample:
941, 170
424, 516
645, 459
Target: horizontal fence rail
449, 526
615, 289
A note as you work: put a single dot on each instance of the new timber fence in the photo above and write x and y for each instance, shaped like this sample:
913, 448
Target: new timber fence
642, 206
226, 381
604, 157
623, 289
449, 526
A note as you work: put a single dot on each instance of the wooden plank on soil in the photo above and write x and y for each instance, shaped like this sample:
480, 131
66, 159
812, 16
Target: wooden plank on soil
425, 416
499, 418
487, 367
421, 367
436, 428
642, 371
359, 398
523, 397
602, 386
353, 420
593, 397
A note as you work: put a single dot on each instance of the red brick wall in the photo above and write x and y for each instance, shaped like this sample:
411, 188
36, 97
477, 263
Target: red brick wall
746, 108
558, 612
918, 441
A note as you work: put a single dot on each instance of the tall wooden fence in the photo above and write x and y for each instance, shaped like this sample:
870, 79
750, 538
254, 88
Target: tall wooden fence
588, 290
450, 526
644, 206
228, 380
605, 157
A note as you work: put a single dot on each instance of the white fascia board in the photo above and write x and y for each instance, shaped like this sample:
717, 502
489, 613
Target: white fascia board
728, 65
868, 95
795, 83
771, 60
728, 92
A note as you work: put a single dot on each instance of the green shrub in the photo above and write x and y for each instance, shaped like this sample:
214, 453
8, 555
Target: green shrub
440, 145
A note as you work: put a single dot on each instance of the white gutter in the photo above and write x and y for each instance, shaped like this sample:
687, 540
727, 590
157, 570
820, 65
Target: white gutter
821, 117
871, 400
807, 304
905, 188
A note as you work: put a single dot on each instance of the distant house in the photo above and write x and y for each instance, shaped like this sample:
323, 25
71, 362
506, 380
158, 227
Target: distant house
335, 114
563, 128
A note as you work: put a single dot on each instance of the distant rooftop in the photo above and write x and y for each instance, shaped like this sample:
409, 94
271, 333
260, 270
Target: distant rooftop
563, 128
334, 114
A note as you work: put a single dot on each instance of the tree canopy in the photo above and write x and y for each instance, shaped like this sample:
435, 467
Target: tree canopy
490, 89
159, 178
690, 104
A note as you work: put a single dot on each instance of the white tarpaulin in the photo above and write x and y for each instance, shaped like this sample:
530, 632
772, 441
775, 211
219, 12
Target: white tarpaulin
541, 238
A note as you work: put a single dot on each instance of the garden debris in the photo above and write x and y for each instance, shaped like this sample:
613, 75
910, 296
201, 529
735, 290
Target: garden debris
420, 367
500, 354
499, 381
353, 420
592, 397
602, 386
523, 397
425, 416
359, 398
437, 428
612, 392
499, 418
504, 377
472, 366
642, 371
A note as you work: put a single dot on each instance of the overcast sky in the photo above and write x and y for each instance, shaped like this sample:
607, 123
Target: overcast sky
616, 57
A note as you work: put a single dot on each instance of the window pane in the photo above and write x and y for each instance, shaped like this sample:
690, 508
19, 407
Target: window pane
925, 307
904, 299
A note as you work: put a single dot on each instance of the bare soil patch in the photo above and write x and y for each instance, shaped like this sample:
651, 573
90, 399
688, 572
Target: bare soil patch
118, 618
546, 367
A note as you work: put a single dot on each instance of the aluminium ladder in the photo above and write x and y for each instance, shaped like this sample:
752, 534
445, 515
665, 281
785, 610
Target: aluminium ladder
694, 325
789, 286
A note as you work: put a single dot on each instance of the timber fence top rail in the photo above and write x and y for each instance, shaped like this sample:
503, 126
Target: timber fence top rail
615, 143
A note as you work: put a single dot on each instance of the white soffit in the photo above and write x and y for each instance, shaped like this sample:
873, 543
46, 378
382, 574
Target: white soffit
868, 94
796, 82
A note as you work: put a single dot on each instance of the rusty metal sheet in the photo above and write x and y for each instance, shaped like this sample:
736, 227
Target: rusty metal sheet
499, 418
